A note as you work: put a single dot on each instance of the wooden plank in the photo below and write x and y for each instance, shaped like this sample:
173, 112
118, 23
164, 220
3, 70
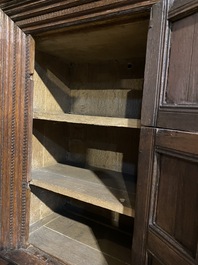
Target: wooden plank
142, 208
182, 142
102, 238
70, 249
107, 189
178, 119
156, 45
90, 120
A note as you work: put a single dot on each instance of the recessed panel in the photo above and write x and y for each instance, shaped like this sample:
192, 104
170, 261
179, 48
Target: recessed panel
183, 66
177, 202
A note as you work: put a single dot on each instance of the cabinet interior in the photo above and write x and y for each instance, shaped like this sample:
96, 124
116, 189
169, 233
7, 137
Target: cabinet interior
88, 87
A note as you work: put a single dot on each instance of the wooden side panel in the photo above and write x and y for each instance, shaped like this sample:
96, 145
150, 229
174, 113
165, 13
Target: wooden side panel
15, 141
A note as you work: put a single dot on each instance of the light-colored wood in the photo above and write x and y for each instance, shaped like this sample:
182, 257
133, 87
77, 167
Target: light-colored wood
112, 88
113, 148
79, 241
107, 189
91, 120
101, 44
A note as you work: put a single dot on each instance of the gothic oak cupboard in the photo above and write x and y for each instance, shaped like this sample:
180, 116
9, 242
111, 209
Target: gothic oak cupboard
99, 121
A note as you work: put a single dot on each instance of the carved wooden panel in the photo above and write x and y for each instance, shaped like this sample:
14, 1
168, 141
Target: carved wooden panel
15, 126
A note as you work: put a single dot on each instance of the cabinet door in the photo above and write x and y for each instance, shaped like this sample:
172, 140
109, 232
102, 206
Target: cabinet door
15, 125
171, 77
166, 223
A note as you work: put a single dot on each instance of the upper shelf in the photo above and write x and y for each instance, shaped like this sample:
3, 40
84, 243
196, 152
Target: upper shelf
105, 188
89, 120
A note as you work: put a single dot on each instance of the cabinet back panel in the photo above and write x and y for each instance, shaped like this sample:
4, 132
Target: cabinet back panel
80, 145
111, 89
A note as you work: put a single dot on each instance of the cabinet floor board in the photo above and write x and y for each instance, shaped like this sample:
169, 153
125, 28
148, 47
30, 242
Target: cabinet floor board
79, 243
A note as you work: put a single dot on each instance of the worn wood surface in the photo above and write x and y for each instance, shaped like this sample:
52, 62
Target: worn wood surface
112, 88
110, 148
107, 189
182, 8
79, 241
178, 195
142, 204
15, 116
178, 108
182, 77
41, 15
90, 120
167, 254
174, 201
126, 40
154, 64
29, 256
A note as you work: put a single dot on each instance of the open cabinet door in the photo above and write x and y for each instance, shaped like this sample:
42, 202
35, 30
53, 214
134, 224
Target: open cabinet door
16, 61
166, 223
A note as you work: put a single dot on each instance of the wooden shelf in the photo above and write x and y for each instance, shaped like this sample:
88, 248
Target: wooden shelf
108, 189
90, 120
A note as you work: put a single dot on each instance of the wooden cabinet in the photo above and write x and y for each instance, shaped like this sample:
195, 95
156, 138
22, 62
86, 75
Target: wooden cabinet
99, 129
86, 124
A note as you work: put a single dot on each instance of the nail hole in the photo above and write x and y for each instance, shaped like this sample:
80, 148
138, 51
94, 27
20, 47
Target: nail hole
129, 65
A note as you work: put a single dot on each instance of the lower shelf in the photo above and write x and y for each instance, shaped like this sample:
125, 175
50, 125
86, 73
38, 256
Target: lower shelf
108, 189
77, 241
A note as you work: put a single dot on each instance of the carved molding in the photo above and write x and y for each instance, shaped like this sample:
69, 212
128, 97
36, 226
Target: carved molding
39, 16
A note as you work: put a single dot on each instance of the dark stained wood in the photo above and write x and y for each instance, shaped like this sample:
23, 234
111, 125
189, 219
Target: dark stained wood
167, 194
145, 168
177, 201
179, 106
165, 252
183, 142
39, 16
154, 62
29, 256
15, 92
182, 8
178, 118
181, 80
153, 260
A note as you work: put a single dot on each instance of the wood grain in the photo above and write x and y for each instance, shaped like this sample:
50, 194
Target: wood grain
145, 170
68, 13
82, 240
106, 189
15, 132
182, 42
90, 120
